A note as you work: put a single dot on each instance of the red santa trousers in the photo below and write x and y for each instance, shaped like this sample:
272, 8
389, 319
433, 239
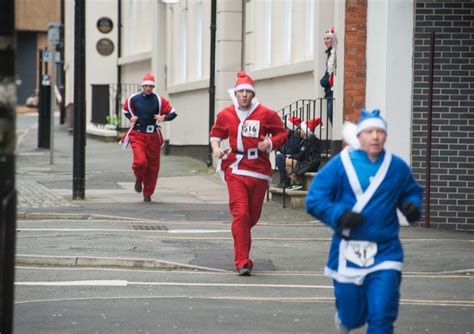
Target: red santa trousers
146, 158
246, 195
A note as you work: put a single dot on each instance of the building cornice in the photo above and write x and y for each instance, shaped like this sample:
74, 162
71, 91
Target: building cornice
135, 58
283, 70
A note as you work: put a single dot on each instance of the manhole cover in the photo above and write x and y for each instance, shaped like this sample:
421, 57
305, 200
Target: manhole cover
149, 228
111, 247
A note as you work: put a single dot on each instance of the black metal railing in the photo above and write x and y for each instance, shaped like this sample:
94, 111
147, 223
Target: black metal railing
107, 103
306, 110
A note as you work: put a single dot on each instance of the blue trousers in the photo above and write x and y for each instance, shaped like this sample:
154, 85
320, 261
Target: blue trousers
375, 302
280, 163
330, 100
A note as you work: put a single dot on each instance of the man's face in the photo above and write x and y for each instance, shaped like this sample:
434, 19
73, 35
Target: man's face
302, 133
372, 141
148, 89
328, 41
244, 98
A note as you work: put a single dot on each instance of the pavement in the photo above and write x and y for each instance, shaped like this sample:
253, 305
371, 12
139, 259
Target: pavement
184, 236
188, 196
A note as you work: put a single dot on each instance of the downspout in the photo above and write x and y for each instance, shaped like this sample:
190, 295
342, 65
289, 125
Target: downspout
212, 85
244, 22
428, 139
118, 93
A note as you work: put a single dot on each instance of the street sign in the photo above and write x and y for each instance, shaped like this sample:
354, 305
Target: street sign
53, 32
47, 56
45, 80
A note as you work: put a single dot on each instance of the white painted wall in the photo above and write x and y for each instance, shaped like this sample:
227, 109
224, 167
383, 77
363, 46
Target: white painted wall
192, 124
389, 69
132, 73
99, 69
276, 93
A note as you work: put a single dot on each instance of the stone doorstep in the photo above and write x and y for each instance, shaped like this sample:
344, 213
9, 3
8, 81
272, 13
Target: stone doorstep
295, 199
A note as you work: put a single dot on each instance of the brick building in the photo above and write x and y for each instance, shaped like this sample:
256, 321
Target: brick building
452, 150
31, 23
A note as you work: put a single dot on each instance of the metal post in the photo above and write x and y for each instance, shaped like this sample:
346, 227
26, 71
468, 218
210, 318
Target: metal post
40, 80
61, 72
428, 139
78, 191
7, 164
212, 85
53, 105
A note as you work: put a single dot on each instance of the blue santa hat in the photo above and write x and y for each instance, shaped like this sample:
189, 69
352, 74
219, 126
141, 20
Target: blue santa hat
369, 119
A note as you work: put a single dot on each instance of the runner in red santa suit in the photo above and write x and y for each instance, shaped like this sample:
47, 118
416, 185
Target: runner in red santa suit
146, 110
253, 132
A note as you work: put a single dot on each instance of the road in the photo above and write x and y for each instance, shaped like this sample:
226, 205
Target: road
112, 264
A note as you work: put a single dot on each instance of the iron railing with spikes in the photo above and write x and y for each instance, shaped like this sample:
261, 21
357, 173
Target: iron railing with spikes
308, 111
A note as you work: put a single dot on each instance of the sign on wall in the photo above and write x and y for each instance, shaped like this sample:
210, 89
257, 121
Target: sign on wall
105, 25
105, 46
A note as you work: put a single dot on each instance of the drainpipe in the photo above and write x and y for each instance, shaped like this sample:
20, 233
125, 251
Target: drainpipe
428, 139
212, 85
118, 94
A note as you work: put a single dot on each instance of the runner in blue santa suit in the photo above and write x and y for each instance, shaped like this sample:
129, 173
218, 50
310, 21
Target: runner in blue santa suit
357, 194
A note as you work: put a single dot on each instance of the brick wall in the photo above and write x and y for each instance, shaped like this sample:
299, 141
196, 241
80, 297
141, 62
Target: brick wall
452, 162
355, 58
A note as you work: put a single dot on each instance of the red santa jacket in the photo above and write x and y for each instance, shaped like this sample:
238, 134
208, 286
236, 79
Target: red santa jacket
244, 136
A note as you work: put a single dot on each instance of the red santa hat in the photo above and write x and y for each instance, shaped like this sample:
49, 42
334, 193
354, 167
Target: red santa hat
149, 80
310, 125
330, 32
292, 123
244, 82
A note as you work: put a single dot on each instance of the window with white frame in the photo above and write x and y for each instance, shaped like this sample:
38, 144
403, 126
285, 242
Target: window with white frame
283, 32
186, 41
309, 25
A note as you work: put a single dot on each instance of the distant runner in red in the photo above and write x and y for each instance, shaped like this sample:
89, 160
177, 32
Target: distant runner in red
146, 110
253, 132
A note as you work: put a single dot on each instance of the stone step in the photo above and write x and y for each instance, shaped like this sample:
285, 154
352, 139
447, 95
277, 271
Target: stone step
294, 199
308, 179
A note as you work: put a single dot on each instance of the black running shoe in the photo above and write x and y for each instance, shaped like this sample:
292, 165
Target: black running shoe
245, 270
138, 186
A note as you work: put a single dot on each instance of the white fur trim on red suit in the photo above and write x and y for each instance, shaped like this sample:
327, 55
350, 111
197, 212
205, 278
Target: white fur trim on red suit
245, 86
148, 82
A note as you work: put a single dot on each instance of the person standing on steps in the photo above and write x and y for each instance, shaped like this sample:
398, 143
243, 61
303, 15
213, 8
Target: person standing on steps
357, 194
327, 80
253, 131
146, 111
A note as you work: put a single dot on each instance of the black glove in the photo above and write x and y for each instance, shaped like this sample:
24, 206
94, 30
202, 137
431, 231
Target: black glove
411, 211
350, 219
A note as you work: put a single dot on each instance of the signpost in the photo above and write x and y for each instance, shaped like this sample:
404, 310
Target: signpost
54, 39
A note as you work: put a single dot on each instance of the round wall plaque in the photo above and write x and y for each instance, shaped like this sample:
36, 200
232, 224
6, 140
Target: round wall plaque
105, 25
105, 46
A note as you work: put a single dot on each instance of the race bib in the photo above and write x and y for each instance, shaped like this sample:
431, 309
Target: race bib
251, 128
361, 253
